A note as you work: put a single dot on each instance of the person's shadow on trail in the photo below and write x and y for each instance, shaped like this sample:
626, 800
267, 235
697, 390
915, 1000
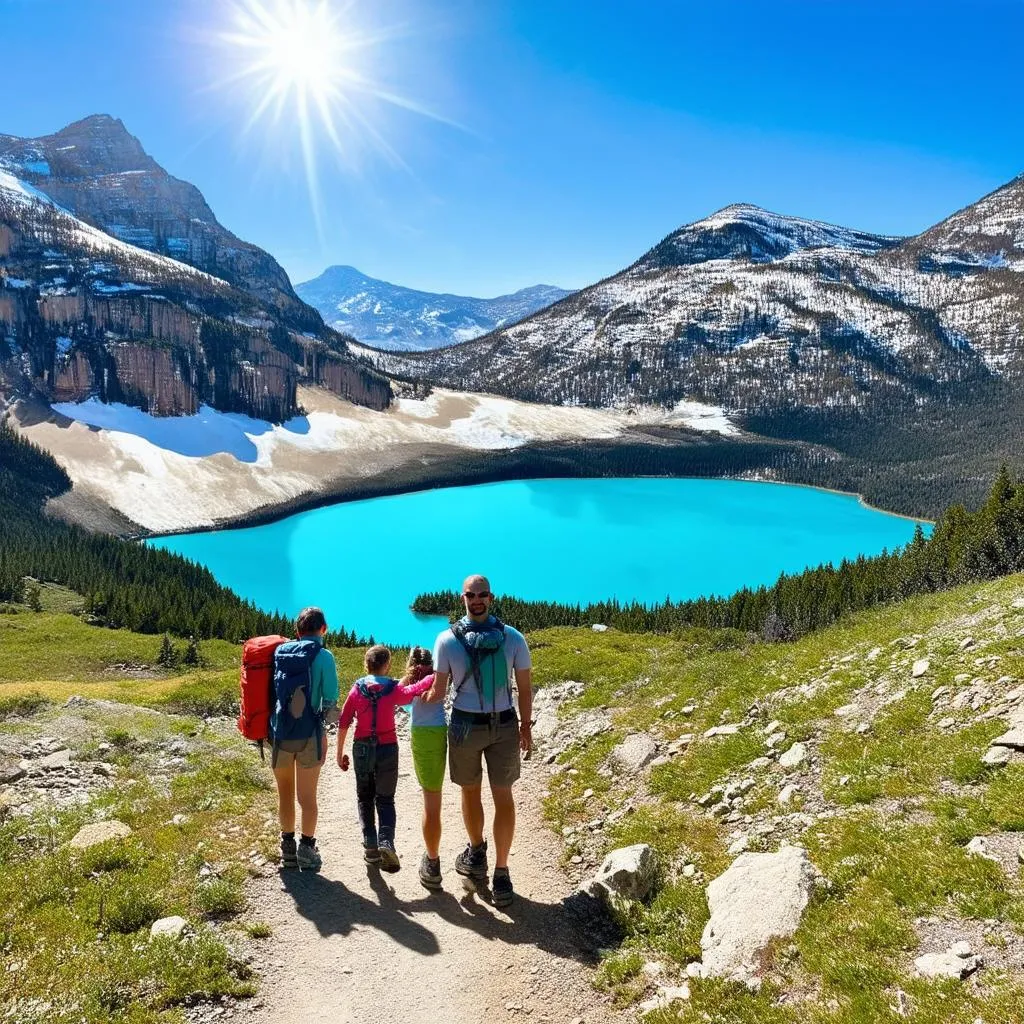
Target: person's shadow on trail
335, 909
548, 926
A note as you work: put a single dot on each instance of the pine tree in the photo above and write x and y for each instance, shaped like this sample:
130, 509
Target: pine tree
192, 655
168, 656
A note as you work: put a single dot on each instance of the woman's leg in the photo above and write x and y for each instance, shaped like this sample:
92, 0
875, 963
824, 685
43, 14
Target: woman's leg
284, 776
432, 822
387, 783
365, 793
306, 781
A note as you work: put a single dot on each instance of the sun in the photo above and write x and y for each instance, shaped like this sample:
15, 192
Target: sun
305, 69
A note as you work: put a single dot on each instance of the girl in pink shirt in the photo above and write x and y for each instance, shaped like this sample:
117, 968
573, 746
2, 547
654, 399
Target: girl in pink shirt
371, 704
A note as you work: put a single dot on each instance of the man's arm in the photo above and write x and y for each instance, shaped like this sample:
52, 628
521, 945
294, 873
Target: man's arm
524, 684
437, 692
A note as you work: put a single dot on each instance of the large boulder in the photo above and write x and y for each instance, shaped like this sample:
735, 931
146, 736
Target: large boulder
634, 753
99, 832
629, 872
761, 897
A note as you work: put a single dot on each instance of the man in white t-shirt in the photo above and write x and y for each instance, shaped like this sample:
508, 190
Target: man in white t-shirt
482, 656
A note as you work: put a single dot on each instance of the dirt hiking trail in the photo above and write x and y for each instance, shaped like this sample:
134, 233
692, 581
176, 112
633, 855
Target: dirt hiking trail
354, 944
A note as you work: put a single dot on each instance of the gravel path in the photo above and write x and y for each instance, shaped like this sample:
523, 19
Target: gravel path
354, 944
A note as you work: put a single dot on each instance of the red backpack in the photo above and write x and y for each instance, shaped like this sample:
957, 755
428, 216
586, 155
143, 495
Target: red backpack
257, 687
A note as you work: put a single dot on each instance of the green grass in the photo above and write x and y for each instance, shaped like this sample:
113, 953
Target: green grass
76, 923
884, 865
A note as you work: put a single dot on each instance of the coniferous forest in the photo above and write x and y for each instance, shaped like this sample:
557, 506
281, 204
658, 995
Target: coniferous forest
964, 547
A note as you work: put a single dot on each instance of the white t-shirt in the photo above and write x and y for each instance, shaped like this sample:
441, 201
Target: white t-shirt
451, 657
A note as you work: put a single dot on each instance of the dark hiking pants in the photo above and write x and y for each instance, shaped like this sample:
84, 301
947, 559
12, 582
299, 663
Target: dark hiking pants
375, 790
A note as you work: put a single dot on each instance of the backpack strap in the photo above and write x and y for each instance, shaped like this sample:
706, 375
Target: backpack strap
475, 657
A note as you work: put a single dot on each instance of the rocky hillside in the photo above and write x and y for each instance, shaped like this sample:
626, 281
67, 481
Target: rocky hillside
824, 831
116, 280
393, 317
759, 313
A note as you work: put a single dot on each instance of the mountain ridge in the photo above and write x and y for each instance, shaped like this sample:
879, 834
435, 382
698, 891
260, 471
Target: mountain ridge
378, 312
759, 312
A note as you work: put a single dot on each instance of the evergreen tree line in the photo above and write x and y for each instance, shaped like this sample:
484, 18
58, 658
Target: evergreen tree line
964, 547
125, 584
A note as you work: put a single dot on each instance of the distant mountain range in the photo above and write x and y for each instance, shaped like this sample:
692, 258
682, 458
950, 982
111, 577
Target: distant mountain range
763, 313
117, 281
392, 317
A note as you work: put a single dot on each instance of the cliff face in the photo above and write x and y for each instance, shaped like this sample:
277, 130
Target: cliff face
116, 281
99, 172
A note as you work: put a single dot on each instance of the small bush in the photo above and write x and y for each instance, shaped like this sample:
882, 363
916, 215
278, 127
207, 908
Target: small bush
220, 897
22, 705
129, 907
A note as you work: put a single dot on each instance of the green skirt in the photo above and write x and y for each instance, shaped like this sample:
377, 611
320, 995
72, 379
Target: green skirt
430, 755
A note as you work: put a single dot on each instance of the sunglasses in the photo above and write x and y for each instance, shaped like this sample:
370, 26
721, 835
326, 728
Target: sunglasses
470, 595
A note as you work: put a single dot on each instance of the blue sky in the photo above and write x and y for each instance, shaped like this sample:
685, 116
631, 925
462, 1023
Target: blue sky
570, 135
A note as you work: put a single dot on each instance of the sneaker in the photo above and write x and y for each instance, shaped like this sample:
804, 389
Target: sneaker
472, 862
388, 858
308, 857
502, 890
371, 854
430, 872
288, 859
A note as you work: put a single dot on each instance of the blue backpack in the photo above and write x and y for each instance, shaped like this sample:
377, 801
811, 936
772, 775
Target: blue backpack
294, 717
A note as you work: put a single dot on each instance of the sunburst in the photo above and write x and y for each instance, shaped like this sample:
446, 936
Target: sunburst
305, 67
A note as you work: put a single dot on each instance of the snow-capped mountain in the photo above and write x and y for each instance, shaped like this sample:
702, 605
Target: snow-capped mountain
393, 317
759, 312
117, 281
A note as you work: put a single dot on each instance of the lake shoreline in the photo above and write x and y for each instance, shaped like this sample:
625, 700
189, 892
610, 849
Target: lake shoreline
449, 467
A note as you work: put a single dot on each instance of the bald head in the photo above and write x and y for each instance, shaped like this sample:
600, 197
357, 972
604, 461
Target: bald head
477, 597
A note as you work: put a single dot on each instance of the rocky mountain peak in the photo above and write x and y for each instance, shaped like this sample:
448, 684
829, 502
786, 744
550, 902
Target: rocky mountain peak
96, 145
742, 231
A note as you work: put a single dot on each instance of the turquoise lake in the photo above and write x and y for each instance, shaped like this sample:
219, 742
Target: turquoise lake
573, 541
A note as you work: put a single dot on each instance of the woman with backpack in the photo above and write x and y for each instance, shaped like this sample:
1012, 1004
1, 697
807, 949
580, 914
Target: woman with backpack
306, 688
371, 705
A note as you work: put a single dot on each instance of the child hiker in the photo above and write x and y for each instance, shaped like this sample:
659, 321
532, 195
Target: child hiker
371, 704
429, 736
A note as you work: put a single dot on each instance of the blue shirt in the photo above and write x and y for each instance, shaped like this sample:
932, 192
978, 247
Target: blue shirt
450, 656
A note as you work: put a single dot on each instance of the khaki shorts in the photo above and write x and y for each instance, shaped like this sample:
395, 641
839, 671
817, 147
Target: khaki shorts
499, 747
302, 752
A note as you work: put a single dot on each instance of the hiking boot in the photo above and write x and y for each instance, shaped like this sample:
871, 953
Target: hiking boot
430, 871
308, 857
501, 889
388, 858
371, 854
288, 859
472, 862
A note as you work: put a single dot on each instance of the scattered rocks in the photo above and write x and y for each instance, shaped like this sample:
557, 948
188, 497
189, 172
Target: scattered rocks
787, 794
919, 668
58, 759
996, 756
11, 774
629, 872
722, 730
168, 927
634, 753
795, 756
957, 962
665, 997
599, 627
1014, 739
99, 832
760, 897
